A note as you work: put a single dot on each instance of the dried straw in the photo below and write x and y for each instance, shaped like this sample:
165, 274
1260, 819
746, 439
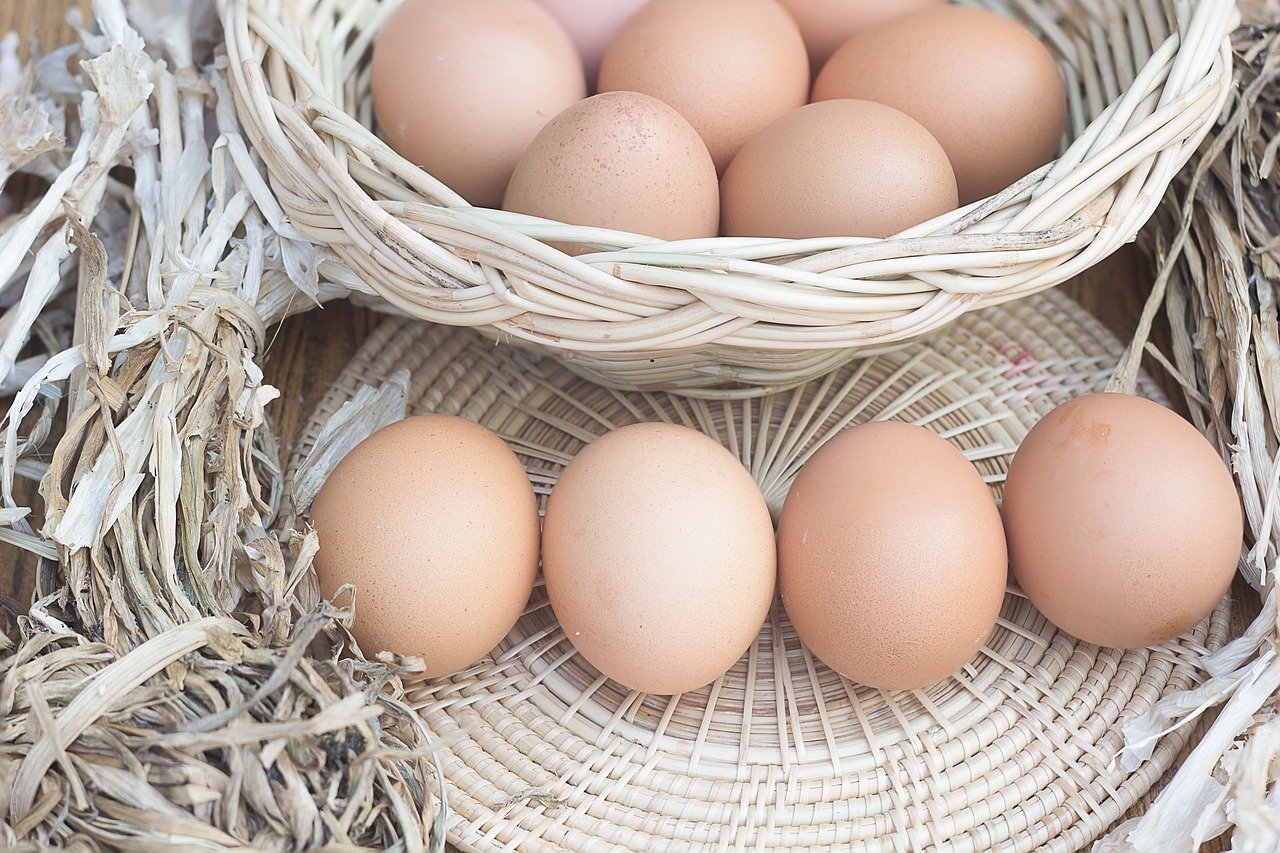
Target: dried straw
162, 695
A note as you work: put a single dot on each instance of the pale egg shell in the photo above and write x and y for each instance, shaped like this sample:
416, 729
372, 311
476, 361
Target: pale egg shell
827, 24
834, 169
433, 519
981, 83
619, 160
658, 557
728, 66
459, 89
891, 557
1123, 522
592, 24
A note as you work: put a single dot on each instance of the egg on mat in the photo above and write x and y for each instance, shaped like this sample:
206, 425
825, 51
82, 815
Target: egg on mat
981, 83
619, 160
434, 521
592, 24
826, 24
459, 89
728, 66
833, 169
658, 557
891, 558
1123, 522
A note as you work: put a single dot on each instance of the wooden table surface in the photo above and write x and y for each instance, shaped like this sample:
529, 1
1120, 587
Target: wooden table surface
309, 350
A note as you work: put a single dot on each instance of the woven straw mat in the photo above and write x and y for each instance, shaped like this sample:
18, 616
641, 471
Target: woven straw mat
1015, 752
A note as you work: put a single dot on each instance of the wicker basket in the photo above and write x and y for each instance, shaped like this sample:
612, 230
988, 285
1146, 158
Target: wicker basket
163, 696
1015, 752
1146, 80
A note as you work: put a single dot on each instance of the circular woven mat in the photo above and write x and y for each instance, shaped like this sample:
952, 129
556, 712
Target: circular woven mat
1014, 752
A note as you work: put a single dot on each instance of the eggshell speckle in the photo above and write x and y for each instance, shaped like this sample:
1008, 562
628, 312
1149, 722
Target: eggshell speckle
434, 521
833, 169
619, 160
1123, 522
459, 89
658, 556
728, 66
981, 83
891, 557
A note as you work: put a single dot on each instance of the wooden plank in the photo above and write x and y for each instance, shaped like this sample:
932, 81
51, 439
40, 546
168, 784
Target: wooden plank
41, 25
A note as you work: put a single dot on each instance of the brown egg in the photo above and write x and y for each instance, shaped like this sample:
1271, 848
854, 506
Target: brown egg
658, 557
1124, 524
891, 558
728, 66
619, 160
834, 169
434, 521
826, 24
981, 83
459, 89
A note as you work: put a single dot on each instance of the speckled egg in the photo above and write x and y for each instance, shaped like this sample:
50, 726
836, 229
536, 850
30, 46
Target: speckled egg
981, 83
619, 160
839, 168
1123, 522
459, 89
658, 557
434, 521
728, 66
891, 558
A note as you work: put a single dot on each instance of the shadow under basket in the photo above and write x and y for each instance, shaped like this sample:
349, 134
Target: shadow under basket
1017, 751
722, 316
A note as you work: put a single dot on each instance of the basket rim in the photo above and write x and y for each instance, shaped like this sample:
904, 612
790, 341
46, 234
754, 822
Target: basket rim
403, 235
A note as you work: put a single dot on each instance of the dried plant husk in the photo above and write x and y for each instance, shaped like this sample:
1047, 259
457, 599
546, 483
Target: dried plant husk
175, 684
1217, 241
251, 747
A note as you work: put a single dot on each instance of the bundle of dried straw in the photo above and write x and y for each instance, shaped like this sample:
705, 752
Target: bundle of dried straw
164, 694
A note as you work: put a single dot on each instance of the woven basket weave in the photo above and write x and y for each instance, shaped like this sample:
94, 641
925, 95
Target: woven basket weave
1146, 79
1016, 752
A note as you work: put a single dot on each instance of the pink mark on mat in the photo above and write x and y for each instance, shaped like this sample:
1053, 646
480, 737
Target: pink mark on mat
1022, 361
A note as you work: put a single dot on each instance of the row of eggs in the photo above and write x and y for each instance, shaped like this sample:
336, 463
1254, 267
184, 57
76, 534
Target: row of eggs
660, 559
737, 117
